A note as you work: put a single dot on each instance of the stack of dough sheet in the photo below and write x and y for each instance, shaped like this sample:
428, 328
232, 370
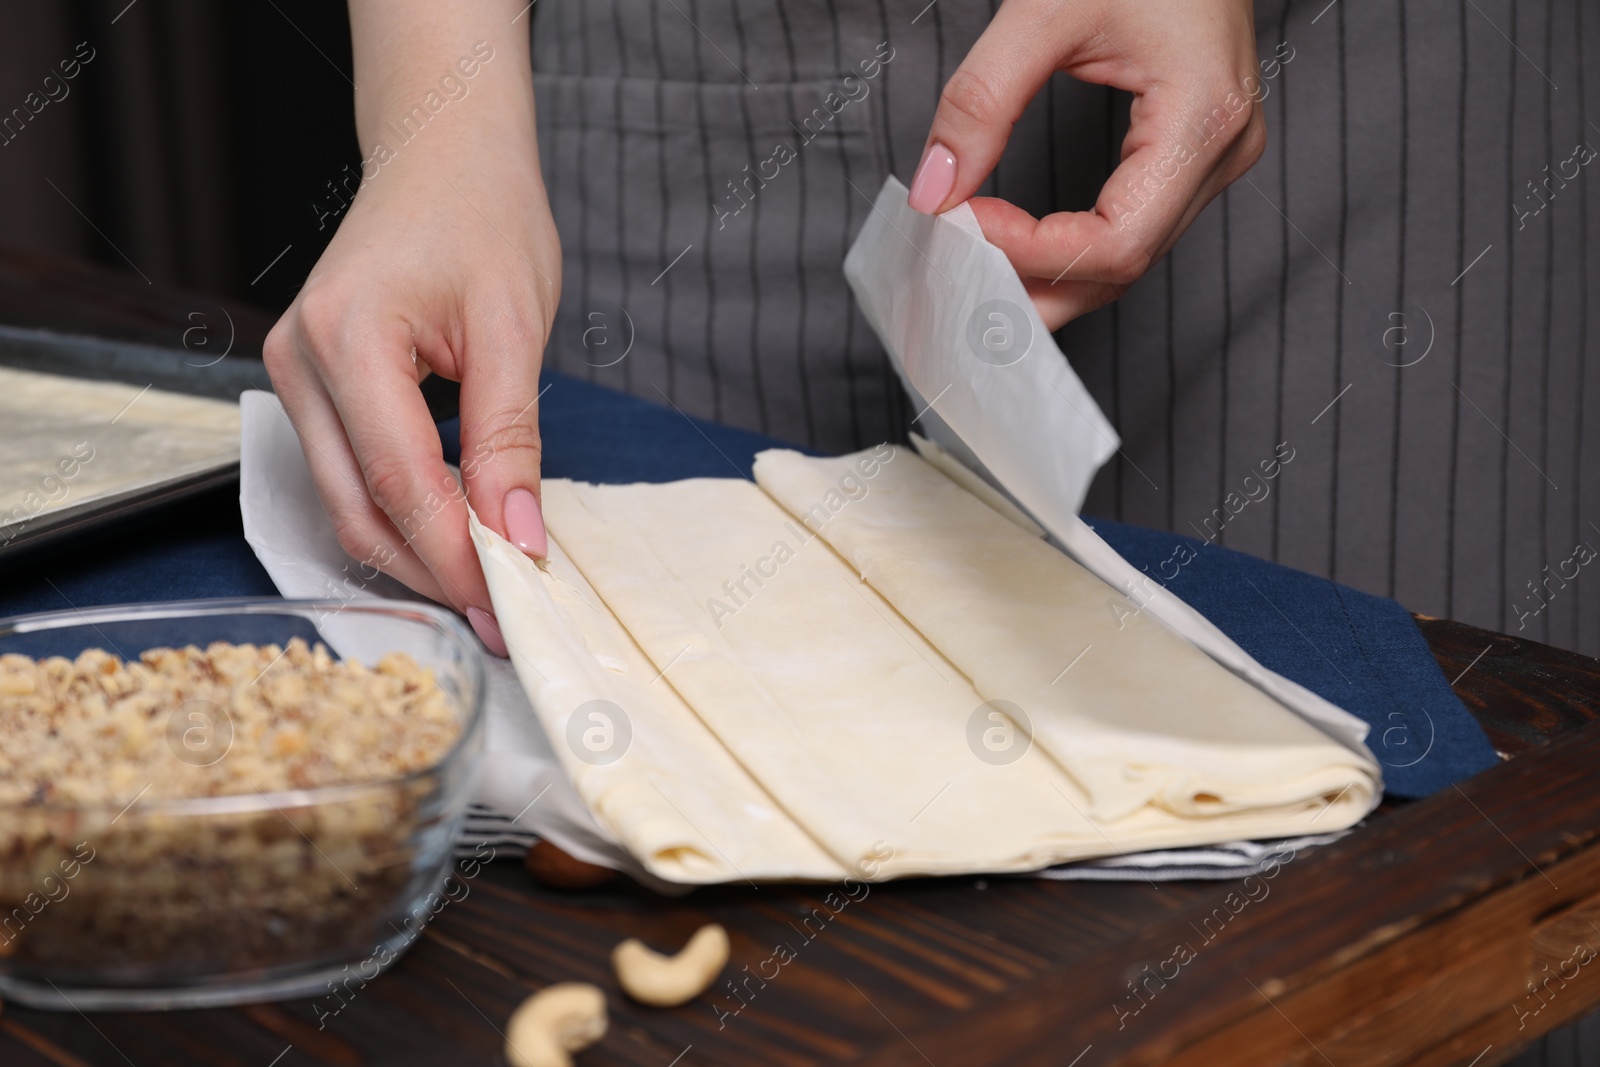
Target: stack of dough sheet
856, 667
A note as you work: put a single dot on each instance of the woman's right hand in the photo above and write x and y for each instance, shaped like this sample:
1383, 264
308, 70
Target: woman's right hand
446, 262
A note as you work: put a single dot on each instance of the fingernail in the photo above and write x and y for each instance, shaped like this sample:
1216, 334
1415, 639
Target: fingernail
935, 177
487, 629
525, 523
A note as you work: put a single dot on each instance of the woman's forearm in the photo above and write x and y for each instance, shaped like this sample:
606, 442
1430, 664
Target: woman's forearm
445, 261
421, 61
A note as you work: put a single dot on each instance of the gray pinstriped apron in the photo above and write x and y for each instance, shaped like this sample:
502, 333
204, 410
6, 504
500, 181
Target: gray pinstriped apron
709, 162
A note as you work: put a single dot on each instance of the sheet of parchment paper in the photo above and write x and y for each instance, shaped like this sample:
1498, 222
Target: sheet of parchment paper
286, 526
993, 388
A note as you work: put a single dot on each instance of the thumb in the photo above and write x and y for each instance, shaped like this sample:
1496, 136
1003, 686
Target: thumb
981, 102
500, 446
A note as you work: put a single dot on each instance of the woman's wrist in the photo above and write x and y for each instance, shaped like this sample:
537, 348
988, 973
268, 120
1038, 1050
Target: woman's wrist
457, 70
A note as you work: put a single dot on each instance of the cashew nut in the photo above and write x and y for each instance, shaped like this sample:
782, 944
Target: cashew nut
554, 1022
667, 981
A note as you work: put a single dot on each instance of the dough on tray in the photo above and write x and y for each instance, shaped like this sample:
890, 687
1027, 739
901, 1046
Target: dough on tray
822, 675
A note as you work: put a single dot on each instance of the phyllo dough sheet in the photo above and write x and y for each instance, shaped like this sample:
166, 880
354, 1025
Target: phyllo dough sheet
858, 667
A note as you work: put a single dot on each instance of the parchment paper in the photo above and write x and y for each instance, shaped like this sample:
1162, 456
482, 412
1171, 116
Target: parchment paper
286, 526
996, 392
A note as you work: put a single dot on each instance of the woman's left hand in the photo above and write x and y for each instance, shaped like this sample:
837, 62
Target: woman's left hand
1196, 126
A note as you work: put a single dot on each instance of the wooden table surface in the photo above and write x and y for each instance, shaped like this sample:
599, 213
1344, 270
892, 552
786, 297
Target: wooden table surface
1412, 941
1445, 931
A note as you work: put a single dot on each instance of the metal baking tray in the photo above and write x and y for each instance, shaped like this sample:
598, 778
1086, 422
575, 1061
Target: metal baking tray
173, 370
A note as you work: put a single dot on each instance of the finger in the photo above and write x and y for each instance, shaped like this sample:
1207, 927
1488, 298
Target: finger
1063, 298
983, 99
364, 531
1060, 303
500, 447
373, 385
1177, 163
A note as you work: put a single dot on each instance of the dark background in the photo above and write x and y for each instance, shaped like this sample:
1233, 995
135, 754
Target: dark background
191, 149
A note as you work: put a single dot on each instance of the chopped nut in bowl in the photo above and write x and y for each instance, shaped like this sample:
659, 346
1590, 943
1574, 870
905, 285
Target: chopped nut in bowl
201, 804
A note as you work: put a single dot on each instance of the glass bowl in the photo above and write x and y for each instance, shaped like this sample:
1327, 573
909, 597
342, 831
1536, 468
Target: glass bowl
205, 901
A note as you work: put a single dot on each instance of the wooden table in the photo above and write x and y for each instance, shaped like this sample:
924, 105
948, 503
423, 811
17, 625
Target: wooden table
1412, 941
1446, 931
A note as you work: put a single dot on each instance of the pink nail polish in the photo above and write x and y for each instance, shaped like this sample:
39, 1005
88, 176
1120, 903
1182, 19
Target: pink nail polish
487, 629
935, 177
525, 523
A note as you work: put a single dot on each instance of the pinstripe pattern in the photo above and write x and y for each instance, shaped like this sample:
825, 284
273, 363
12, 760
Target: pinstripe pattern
709, 304
1114, 314
1583, 636
1171, 398
800, 274
1281, 129
620, 175
1454, 452
1400, 292
1504, 415
1337, 422
1401, 136
1549, 296
664, 187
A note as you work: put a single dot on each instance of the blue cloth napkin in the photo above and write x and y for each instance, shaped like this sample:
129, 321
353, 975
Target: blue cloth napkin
1361, 652
193, 549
